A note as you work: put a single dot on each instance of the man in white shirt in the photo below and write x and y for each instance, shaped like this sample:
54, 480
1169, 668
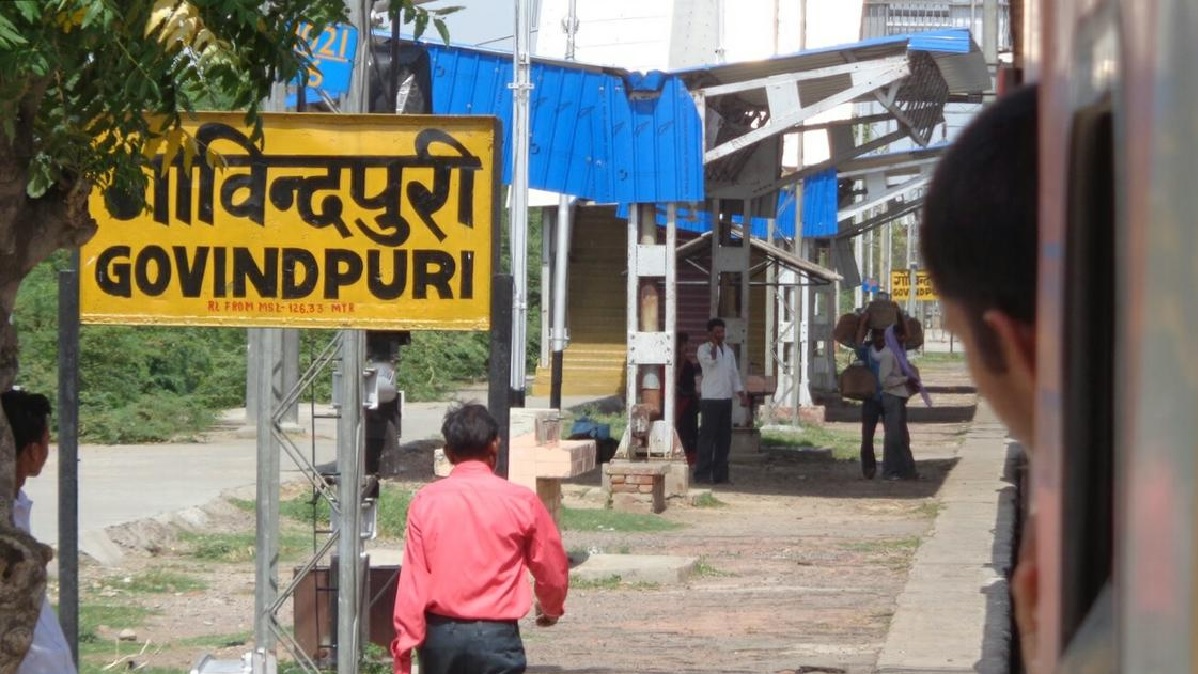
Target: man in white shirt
29, 416
721, 379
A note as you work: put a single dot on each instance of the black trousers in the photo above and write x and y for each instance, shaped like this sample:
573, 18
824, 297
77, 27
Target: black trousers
715, 440
453, 646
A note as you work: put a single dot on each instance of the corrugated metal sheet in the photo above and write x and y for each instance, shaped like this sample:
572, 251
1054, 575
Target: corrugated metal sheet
820, 204
954, 51
598, 134
699, 222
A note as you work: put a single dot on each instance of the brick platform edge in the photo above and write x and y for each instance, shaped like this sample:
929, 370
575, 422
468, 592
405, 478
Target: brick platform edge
637, 487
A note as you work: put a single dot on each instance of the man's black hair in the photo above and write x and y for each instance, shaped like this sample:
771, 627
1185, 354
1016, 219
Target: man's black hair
980, 223
28, 414
469, 430
714, 323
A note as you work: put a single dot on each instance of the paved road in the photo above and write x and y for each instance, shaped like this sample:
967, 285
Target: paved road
119, 484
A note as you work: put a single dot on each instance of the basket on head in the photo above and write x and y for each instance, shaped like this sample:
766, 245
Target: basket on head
845, 332
883, 314
914, 333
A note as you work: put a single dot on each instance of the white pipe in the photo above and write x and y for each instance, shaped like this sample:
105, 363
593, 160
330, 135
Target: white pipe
563, 217
521, 89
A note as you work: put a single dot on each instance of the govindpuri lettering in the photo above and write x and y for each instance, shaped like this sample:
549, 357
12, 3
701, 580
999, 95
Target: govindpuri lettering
243, 189
283, 273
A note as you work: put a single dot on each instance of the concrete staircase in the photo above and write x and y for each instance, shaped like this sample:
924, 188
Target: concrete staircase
587, 369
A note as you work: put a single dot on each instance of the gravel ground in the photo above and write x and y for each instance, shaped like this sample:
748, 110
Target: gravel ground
801, 563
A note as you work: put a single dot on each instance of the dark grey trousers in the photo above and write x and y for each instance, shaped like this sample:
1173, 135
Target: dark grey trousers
454, 646
897, 459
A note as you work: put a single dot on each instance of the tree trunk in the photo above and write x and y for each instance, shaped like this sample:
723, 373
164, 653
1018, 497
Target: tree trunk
30, 230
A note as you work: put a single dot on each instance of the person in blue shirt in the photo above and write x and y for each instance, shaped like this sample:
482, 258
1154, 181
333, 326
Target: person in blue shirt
889, 404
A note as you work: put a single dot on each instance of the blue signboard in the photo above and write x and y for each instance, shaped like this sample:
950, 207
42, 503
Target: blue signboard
333, 52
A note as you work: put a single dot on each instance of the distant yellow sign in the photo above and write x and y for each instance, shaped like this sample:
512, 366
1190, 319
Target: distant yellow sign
336, 221
900, 286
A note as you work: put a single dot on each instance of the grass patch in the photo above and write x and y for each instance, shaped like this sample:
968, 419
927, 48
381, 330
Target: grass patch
707, 500
96, 652
244, 504
845, 445
886, 546
158, 581
92, 616
705, 570
929, 509
586, 519
613, 582
392, 510
239, 547
941, 357
304, 509
218, 640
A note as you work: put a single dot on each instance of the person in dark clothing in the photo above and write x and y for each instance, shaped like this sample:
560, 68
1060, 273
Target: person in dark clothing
686, 400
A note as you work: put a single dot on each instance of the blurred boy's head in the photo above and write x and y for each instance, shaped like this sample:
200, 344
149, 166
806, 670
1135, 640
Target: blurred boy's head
979, 242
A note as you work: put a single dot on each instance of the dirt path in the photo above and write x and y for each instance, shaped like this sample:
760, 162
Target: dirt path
800, 567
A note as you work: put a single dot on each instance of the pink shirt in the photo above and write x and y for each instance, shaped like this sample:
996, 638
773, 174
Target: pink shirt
472, 538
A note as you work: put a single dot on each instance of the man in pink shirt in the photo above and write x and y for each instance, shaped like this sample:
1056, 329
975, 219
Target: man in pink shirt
471, 541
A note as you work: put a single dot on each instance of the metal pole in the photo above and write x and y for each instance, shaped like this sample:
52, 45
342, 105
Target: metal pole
266, 512
803, 399
499, 364
671, 310
349, 468
632, 372
563, 251
350, 430
521, 89
859, 252
68, 454
888, 255
771, 300
912, 266
719, 39
548, 227
990, 35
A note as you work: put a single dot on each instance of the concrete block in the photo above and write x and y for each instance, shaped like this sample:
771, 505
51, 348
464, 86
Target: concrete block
441, 464
745, 441
677, 478
96, 544
524, 419
636, 503
549, 490
661, 569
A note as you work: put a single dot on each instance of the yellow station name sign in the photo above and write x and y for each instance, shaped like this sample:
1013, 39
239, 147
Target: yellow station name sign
335, 221
900, 286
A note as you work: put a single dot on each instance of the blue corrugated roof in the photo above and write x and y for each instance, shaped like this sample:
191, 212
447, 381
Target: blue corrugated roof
946, 41
821, 204
595, 134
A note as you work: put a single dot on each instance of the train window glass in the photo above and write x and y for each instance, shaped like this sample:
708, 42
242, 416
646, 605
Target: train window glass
1088, 387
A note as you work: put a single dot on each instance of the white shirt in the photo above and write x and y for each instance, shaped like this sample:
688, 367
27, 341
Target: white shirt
721, 379
49, 652
890, 374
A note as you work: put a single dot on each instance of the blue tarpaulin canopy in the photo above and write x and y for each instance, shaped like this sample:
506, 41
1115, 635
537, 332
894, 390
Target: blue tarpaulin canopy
599, 134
